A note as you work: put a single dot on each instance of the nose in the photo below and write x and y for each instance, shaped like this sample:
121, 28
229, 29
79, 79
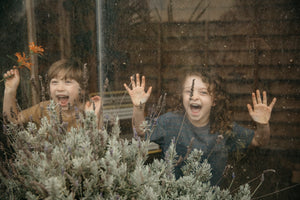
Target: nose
60, 87
195, 96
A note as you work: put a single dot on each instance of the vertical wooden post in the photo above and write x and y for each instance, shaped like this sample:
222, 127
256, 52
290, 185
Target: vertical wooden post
255, 47
29, 5
64, 31
170, 11
159, 58
206, 24
99, 45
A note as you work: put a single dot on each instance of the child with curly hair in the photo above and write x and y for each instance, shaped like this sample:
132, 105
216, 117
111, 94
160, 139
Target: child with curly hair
66, 90
205, 121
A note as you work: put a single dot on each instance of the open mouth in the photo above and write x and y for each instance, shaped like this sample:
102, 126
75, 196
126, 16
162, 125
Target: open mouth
63, 100
195, 107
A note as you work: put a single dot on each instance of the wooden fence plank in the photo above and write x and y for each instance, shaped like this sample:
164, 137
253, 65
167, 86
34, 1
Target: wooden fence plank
282, 103
183, 29
143, 57
282, 117
292, 131
283, 144
288, 72
279, 57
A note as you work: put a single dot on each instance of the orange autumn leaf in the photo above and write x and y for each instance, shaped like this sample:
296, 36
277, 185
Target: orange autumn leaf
22, 61
28, 65
36, 49
21, 58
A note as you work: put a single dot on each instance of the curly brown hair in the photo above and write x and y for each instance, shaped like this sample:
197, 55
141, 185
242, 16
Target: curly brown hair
221, 113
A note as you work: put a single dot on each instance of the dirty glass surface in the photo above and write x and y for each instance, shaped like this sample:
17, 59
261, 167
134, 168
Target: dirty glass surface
250, 44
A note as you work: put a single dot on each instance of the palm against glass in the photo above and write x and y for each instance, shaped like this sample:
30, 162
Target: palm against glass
137, 93
261, 112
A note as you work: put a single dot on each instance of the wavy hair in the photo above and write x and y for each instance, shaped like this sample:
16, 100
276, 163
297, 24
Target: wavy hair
221, 113
71, 68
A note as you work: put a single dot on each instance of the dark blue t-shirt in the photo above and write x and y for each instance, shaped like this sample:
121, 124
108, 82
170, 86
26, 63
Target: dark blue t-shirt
216, 151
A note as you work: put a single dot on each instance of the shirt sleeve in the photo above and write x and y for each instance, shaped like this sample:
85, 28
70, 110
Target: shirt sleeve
240, 138
157, 132
34, 113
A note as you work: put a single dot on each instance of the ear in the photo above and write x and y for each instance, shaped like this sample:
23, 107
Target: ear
213, 101
214, 104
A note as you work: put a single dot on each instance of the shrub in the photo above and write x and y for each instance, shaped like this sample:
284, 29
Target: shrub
86, 163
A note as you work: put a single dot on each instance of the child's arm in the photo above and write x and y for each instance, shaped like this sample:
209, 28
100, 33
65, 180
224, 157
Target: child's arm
138, 97
261, 114
95, 105
10, 111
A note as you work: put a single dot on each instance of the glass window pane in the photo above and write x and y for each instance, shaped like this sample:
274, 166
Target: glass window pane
250, 45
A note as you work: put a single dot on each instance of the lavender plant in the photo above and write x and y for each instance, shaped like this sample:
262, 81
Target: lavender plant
87, 163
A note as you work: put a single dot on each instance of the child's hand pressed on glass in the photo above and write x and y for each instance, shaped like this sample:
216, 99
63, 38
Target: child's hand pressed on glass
12, 79
261, 112
137, 93
94, 105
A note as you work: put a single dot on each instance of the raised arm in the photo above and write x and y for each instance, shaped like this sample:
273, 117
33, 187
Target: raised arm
138, 97
261, 114
10, 111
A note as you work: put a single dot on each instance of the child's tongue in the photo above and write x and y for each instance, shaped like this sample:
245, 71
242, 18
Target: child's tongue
63, 101
195, 109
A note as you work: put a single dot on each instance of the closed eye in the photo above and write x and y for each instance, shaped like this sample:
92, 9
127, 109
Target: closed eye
68, 81
203, 92
54, 82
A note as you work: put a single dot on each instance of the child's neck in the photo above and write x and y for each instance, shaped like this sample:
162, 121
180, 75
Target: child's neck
199, 123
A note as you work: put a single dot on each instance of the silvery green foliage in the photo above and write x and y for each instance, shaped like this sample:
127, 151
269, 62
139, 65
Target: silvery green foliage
87, 163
